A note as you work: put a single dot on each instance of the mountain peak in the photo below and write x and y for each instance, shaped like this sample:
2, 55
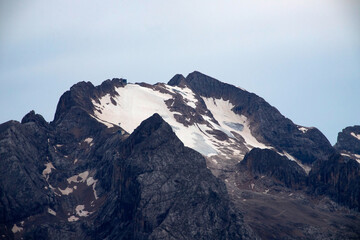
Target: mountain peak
34, 117
81, 94
196, 73
348, 140
150, 126
177, 80
180, 81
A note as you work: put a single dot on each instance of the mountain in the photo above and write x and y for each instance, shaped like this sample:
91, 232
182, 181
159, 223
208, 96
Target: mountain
191, 159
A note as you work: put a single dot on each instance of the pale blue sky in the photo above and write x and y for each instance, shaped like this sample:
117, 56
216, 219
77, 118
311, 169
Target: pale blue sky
302, 56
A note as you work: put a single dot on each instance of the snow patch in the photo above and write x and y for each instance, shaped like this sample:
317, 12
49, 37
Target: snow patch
16, 229
73, 219
78, 178
187, 94
346, 155
107, 124
201, 145
91, 181
290, 157
89, 141
81, 212
82, 178
286, 154
352, 156
47, 170
303, 129
52, 212
66, 191
357, 136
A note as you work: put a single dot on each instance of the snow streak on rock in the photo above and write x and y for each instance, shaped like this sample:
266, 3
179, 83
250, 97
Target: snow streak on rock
16, 229
230, 121
355, 135
47, 170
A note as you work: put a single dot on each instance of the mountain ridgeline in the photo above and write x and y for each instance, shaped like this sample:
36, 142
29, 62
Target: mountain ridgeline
191, 159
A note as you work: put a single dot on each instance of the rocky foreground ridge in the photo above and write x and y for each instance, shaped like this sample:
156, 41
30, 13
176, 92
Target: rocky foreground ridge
192, 159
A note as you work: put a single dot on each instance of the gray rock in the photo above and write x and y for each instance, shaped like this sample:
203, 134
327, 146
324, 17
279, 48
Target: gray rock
347, 140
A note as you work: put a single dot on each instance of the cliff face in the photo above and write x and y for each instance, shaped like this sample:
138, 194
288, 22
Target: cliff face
349, 140
265, 162
339, 178
23, 149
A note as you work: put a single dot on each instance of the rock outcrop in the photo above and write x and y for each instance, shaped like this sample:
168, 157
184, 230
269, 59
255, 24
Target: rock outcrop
349, 140
338, 178
266, 162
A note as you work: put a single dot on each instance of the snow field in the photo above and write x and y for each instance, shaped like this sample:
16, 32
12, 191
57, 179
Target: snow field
135, 104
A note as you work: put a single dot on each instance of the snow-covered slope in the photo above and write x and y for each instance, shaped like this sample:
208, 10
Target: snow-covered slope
218, 132
231, 122
208, 125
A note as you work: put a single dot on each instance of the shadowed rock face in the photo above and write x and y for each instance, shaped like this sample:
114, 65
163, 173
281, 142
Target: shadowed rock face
349, 140
266, 162
22, 151
339, 178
